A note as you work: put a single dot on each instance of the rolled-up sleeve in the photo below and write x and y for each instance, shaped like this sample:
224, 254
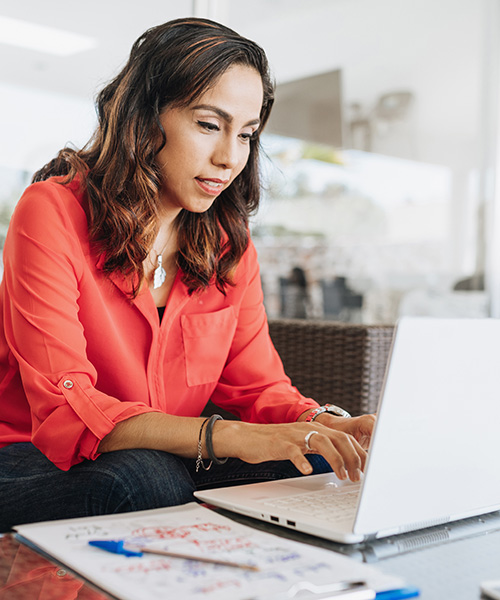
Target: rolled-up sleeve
44, 258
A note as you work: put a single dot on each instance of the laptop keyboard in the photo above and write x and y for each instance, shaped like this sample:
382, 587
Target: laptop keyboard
330, 505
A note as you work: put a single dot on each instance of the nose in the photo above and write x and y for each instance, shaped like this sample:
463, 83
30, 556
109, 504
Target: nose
227, 154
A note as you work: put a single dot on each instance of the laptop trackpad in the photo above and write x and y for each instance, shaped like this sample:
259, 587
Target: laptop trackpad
311, 483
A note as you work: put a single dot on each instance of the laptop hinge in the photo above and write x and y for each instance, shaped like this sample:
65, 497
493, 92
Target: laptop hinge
412, 527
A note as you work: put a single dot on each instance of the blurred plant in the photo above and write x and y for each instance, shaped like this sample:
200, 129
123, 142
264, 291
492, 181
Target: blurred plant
323, 153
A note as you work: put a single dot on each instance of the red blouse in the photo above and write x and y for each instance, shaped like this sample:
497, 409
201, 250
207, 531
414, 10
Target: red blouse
78, 356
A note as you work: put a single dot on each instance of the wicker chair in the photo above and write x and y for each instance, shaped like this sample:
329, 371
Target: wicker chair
334, 362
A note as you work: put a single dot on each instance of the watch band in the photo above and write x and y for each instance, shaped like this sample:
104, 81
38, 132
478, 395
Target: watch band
331, 408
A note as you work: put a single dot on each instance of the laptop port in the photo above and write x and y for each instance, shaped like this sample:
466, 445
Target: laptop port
291, 523
275, 519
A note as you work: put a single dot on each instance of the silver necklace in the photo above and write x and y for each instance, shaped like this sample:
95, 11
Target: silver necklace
160, 274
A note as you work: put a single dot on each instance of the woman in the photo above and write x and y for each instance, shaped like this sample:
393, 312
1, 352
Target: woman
131, 296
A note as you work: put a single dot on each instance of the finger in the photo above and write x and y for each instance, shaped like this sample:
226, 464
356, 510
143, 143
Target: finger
351, 452
360, 450
364, 441
353, 455
299, 460
368, 425
360, 439
321, 444
361, 427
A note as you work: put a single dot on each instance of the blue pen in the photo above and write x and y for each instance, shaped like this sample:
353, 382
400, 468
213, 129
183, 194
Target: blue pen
398, 594
114, 546
118, 547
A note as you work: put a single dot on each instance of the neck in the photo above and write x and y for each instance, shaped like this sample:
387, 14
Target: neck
166, 239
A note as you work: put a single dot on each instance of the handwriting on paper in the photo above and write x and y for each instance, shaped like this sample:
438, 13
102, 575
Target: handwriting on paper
189, 529
90, 531
179, 533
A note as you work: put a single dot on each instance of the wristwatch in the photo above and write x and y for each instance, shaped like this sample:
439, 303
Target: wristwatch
331, 408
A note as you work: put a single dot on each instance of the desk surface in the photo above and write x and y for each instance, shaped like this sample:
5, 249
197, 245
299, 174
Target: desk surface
445, 563
26, 575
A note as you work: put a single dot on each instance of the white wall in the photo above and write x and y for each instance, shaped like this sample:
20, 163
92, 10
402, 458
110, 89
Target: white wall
35, 124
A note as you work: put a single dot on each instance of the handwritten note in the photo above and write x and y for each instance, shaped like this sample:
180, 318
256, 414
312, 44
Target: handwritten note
196, 530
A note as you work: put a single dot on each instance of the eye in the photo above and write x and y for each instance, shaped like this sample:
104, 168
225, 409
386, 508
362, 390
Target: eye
249, 137
209, 126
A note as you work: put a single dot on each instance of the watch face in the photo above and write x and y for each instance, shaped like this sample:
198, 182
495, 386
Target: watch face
336, 410
331, 408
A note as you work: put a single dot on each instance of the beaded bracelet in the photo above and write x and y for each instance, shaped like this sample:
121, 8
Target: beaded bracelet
208, 441
199, 459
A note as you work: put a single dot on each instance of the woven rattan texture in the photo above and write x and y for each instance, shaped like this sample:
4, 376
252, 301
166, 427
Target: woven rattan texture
334, 362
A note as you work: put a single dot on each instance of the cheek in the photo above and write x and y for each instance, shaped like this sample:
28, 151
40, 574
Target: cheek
172, 163
245, 155
179, 149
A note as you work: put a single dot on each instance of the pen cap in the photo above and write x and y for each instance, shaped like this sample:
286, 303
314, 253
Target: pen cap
114, 546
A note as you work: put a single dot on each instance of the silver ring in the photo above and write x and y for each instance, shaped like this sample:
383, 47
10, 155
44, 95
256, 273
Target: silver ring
307, 438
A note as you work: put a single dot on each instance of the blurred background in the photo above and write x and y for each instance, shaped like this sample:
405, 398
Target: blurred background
381, 156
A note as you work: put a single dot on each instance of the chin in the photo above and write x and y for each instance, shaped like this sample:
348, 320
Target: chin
200, 207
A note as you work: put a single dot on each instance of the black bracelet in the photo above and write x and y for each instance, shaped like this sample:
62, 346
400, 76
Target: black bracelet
208, 441
199, 459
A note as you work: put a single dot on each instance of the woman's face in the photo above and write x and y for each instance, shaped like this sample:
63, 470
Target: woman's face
208, 141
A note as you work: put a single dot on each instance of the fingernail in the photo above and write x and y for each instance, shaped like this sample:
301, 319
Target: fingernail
306, 466
356, 476
342, 474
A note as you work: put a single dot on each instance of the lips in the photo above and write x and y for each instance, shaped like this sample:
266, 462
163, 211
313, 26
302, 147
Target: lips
211, 182
211, 186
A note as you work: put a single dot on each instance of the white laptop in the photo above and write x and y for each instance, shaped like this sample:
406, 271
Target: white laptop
435, 451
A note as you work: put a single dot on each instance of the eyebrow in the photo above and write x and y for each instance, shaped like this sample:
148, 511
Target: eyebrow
223, 114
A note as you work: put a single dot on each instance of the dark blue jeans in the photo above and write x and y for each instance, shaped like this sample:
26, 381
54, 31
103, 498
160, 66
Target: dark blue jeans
33, 489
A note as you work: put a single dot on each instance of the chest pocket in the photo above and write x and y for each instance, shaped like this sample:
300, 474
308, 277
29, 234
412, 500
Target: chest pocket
207, 339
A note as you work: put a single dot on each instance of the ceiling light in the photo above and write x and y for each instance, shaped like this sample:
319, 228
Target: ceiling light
42, 38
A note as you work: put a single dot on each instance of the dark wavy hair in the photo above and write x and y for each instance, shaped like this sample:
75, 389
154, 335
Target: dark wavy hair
170, 65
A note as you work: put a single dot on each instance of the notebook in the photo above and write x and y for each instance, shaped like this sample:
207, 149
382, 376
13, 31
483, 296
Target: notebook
434, 455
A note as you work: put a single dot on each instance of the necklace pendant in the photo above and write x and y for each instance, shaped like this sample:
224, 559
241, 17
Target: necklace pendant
159, 274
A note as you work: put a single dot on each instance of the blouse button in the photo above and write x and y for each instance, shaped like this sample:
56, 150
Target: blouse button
68, 384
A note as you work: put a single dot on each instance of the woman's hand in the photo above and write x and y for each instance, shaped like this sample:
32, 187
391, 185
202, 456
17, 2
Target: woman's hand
256, 443
360, 428
338, 440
